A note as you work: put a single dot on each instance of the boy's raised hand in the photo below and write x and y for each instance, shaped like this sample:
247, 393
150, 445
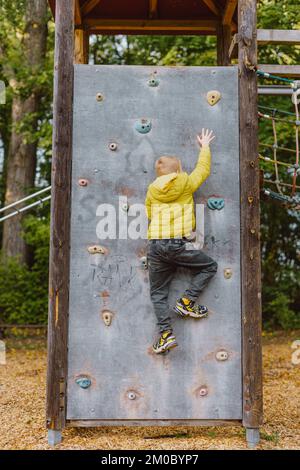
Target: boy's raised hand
205, 137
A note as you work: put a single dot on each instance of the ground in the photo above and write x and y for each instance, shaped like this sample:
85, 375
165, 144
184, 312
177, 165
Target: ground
22, 405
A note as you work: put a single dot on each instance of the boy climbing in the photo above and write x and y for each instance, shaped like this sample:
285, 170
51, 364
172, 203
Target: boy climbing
170, 208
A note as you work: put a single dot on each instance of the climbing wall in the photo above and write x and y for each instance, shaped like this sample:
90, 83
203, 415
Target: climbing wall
124, 119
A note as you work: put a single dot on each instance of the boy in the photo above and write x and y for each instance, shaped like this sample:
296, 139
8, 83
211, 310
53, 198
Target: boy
170, 208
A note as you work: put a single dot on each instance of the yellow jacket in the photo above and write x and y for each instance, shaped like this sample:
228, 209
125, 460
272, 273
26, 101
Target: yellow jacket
169, 201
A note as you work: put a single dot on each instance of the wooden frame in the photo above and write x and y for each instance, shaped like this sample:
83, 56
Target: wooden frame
250, 217
67, 14
111, 25
60, 216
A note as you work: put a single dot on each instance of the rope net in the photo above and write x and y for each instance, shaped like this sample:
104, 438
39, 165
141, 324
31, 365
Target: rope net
280, 163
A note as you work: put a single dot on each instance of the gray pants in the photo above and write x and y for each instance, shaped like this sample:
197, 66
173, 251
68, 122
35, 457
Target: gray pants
163, 258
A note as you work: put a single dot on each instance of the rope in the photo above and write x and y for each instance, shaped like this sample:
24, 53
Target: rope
296, 166
260, 73
268, 159
291, 202
294, 169
285, 149
269, 117
276, 110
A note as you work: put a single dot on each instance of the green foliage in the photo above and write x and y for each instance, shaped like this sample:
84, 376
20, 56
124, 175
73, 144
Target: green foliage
23, 289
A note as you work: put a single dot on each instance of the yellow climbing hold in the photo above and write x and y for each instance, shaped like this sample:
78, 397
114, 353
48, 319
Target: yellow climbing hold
213, 97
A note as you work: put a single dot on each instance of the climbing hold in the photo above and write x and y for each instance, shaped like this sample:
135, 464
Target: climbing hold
144, 262
131, 395
153, 81
125, 207
113, 146
203, 391
222, 355
97, 249
82, 182
143, 126
99, 97
83, 382
107, 317
214, 203
213, 97
227, 273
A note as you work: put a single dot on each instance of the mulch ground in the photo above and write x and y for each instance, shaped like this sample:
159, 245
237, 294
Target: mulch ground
22, 405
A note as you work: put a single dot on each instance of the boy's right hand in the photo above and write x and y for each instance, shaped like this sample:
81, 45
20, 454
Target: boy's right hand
205, 137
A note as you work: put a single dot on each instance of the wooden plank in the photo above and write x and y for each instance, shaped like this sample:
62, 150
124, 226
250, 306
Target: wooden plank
81, 50
233, 48
250, 217
153, 8
78, 17
292, 71
278, 36
151, 422
150, 25
60, 215
223, 44
88, 6
229, 11
214, 8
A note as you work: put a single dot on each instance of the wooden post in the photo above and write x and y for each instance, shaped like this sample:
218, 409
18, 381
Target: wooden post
81, 50
60, 217
250, 218
223, 44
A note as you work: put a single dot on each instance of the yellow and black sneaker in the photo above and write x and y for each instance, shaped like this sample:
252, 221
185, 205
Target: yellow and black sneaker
166, 341
187, 308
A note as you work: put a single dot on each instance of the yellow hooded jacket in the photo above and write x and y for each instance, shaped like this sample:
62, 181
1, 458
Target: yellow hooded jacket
169, 201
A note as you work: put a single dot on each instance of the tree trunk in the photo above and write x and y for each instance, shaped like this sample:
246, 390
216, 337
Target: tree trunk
21, 164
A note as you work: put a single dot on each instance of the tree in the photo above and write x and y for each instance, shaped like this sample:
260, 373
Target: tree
22, 53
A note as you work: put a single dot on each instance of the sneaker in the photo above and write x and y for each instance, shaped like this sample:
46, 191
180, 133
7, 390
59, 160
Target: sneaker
166, 341
188, 308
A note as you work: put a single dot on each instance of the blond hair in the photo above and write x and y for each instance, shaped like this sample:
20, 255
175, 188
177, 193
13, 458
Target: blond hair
166, 165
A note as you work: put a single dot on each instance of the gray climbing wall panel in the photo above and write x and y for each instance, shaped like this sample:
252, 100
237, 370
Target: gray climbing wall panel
201, 379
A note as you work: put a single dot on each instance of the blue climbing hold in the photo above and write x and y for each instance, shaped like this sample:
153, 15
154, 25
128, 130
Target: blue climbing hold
215, 203
83, 382
153, 82
143, 126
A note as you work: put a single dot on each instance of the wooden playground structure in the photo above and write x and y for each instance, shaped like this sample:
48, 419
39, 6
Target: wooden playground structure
233, 22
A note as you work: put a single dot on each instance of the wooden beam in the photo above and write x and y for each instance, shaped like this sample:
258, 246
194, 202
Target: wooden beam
229, 11
81, 50
88, 6
78, 17
223, 44
150, 25
59, 262
211, 4
250, 217
292, 71
153, 8
278, 36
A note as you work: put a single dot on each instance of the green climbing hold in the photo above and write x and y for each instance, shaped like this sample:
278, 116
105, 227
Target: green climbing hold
215, 203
